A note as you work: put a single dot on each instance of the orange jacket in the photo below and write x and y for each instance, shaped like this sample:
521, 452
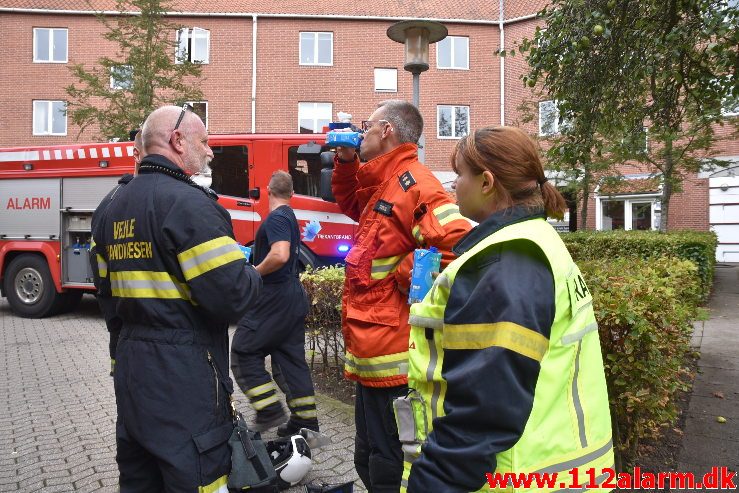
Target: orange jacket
400, 206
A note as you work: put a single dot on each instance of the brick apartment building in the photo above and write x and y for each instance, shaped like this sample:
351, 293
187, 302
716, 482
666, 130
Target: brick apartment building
291, 65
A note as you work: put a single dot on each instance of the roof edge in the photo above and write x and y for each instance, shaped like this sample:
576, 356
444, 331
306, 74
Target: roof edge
272, 15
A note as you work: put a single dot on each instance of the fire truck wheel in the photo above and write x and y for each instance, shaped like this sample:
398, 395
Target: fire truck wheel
29, 287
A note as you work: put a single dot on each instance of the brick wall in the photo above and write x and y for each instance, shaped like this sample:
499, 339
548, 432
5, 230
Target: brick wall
359, 48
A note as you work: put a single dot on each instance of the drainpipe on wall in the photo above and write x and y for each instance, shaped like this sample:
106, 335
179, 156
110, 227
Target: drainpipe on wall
253, 73
502, 62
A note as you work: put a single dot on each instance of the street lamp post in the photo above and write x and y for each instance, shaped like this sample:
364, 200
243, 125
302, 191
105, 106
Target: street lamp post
417, 35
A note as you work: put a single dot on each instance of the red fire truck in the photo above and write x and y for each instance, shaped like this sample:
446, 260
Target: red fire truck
48, 195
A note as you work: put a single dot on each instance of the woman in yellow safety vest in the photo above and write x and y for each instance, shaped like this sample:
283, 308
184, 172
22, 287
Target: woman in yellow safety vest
506, 378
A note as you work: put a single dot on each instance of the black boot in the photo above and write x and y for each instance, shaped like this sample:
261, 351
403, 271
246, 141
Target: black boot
268, 418
293, 426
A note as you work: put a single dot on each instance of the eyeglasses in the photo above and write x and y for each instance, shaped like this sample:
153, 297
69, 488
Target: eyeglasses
185, 107
367, 124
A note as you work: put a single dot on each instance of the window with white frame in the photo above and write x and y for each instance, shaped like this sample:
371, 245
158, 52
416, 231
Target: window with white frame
312, 117
200, 108
49, 118
49, 45
627, 212
453, 52
452, 122
730, 106
540, 41
193, 45
121, 77
386, 80
638, 140
549, 119
316, 48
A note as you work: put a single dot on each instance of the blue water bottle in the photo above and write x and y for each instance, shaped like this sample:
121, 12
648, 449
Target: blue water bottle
425, 263
344, 139
246, 251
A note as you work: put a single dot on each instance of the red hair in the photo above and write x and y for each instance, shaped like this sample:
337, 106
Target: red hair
513, 159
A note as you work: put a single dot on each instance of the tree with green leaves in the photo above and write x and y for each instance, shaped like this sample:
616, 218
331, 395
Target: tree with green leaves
617, 67
119, 92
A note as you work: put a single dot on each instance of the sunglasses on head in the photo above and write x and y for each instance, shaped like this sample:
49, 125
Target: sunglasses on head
185, 107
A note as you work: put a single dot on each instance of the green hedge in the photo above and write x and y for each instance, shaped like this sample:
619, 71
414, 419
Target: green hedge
323, 323
690, 245
645, 310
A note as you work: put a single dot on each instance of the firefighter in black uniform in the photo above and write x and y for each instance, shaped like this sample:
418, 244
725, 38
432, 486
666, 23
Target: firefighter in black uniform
166, 254
275, 324
107, 306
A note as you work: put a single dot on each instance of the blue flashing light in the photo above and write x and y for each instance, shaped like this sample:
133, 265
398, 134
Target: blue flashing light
343, 248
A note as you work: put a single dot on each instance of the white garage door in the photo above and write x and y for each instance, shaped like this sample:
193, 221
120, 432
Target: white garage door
724, 215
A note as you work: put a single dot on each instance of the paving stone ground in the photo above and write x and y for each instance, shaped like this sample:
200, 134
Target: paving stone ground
57, 408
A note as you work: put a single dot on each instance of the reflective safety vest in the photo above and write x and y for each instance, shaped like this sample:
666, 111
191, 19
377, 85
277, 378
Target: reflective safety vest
570, 424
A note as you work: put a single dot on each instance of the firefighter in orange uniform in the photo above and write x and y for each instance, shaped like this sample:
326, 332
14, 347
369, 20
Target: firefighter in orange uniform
400, 206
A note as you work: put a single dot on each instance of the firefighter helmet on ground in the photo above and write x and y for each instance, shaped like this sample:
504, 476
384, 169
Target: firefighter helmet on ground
291, 459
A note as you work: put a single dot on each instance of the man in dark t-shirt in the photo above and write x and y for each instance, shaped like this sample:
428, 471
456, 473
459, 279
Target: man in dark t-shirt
275, 325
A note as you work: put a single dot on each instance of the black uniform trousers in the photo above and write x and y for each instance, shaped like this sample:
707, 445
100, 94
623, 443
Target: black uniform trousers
172, 395
378, 456
275, 326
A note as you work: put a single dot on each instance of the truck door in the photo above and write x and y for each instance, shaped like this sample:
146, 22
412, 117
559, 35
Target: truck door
230, 175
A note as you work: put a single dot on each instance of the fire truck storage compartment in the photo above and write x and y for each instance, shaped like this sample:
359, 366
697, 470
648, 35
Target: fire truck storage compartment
76, 248
30, 209
86, 193
80, 197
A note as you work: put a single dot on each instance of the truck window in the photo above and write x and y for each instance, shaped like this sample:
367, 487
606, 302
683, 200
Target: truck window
306, 172
230, 170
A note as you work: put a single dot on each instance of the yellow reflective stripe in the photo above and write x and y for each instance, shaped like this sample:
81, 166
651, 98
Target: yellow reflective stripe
406, 474
447, 213
452, 217
306, 414
259, 405
102, 266
302, 401
208, 256
417, 234
220, 485
507, 335
378, 366
444, 209
92, 243
261, 389
147, 284
382, 267
386, 260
